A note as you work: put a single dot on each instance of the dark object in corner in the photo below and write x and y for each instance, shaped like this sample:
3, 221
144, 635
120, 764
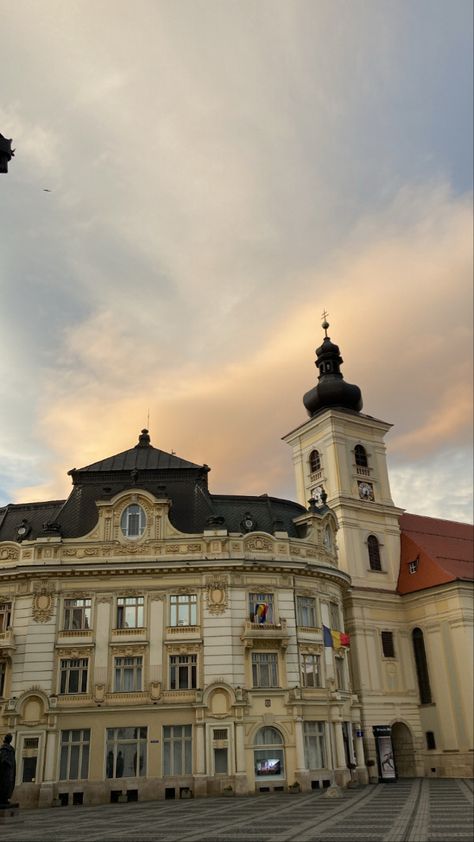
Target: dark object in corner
6, 153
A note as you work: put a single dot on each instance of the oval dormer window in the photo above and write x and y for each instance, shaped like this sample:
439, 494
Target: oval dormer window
132, 522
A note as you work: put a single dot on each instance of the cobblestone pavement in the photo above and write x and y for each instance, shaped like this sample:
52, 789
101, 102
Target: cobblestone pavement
419, 810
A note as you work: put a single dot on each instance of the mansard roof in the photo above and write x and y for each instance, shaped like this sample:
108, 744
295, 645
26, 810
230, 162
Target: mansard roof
442, 548
165, 475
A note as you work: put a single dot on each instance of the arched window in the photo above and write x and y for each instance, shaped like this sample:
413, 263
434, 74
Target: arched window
373, 548
421, 667
132, 521
360, 456
269, 760
314, 461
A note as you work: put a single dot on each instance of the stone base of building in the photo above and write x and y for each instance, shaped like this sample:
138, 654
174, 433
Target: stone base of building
9, 813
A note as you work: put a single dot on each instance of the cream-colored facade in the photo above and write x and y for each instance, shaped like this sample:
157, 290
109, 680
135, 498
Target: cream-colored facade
386, 683
242, 676
140, 660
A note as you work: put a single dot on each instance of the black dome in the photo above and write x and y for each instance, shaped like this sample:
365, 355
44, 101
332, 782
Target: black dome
332, 389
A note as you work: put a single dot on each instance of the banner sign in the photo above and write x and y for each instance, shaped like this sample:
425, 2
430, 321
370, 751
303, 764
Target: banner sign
386, 762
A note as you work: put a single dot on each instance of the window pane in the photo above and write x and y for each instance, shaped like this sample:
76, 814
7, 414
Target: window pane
74, 763
63, 763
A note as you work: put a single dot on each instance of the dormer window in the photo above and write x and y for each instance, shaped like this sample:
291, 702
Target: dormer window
360, 455
314, 461
132, 522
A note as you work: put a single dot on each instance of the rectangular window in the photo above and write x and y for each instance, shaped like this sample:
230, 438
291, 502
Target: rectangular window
387, 644
220, 761
177, 750
28, 774
183, 672
306, 611
314, 745
126, 752
183, 609
265, 669
430, 741
334, 616
261, 607
5, 615
74, 763
77, 614
340, 673
73, 675
311, 671
3, 674
130, 612
128, 674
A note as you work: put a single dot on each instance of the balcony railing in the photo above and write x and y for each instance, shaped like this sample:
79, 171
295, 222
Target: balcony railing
254, 632
7, 641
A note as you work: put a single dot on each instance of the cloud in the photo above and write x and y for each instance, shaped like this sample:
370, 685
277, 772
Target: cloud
232, 414
220, 174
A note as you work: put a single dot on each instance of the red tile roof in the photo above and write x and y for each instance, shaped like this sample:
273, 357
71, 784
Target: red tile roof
443, 548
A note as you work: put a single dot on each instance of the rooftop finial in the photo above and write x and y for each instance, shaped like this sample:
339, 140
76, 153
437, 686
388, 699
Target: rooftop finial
325, 324
143, 439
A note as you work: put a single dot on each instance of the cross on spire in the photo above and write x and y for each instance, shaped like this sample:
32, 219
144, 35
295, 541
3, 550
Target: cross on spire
325, 323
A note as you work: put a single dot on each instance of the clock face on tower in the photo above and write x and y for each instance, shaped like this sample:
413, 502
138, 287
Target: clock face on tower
366, 491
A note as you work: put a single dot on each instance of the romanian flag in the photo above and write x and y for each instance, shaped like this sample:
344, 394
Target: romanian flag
327, 637
340, 639
261, 610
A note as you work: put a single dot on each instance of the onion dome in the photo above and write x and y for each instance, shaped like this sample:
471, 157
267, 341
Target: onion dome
331, 390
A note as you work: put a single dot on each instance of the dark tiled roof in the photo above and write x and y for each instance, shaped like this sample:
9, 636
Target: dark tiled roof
443, 549
164, 475
137, 458
35, 514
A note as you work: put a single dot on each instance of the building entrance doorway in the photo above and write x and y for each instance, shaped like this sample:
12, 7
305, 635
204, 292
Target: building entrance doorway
403, 750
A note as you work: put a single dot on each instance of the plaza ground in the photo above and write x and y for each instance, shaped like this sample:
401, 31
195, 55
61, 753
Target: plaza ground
415, 810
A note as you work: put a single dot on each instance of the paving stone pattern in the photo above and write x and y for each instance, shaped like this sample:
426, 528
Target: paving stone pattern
420, 810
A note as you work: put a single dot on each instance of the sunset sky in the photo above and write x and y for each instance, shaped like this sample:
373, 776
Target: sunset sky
222, 171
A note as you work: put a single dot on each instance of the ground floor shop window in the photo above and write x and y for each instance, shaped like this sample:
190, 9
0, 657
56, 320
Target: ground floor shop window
74, 763
314, 745
126, 752
269, 759
177, 750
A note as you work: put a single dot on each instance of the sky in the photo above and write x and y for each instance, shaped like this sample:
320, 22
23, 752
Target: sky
219, 173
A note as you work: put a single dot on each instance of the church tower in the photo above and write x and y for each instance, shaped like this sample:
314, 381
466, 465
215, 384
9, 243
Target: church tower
340, 452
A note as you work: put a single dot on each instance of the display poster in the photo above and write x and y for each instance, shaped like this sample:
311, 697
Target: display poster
386, 762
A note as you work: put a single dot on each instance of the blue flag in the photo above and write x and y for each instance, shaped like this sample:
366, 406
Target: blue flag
327, 636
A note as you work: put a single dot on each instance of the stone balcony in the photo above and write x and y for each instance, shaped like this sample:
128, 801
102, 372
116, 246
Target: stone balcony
7, 642
254, 634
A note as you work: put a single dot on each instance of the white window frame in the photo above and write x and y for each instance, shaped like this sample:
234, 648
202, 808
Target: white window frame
77, 614
257, 599
117, 744
128, 669
265, 669
67, 745
177, 750
183, 609
68, 666
301, 610
130, 612
311, 670
314, 737
183, 666
6, 609
131, 528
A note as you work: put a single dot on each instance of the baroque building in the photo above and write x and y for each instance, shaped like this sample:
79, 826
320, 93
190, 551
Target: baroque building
161, 641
